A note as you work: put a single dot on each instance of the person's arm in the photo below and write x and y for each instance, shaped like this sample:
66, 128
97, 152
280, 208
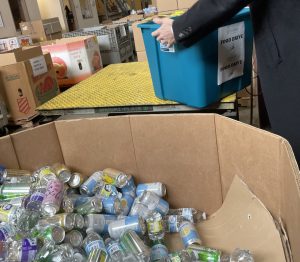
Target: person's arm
204, 17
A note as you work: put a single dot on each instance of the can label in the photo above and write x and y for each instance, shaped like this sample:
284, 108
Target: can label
155, 227
162, 207
187, 213
205, 254
109, 205
92, 182
54, 192
4, 232
133, 223
109, 190
188, 234
110, 178
29, 250
81, 200
5, 211
108, 219
129, 188
173, 224
126, 204
153, 187
158, 252
113, 247
96, 244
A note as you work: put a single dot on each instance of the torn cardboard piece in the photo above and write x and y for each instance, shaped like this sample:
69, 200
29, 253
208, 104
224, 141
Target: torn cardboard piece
242, 222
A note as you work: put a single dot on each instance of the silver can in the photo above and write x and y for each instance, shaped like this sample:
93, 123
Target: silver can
76, 180
115, 177
89, 186
74, 238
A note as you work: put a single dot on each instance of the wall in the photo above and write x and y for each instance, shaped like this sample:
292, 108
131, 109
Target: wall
53, 8
9, 28
33, 9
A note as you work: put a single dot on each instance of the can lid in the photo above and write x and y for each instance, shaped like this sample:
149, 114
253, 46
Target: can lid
64, 176
58, 234
49, 210
75, 180
79, 221
70, 221
75, 238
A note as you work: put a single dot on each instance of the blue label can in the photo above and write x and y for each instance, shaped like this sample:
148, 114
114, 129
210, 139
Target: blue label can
188, 233
162, 207
126, 204
111, 205
129, 188
159, 252
89, 186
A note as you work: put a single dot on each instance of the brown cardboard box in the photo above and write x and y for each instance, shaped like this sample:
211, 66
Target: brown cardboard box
74, 59
141, 56
197, 156
27, 79
165, 5
7, 44
185, 4
138, 37
42, 30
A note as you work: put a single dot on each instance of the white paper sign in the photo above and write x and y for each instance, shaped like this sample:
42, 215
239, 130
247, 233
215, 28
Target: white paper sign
38, 65
231, 52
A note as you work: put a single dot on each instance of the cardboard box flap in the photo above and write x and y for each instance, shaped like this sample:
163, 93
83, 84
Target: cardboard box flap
8, 156
252, 154
94, 144
37, 147
289, 202
242, 221
19, 55
177, 150
65, 40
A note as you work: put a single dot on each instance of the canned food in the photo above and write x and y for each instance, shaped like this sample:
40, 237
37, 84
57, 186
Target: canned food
189, 234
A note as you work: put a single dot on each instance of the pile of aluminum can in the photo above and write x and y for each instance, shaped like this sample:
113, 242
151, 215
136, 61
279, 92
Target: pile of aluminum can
56, 215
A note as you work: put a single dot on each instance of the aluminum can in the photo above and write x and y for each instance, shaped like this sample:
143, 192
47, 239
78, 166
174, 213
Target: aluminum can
99, 222
119, 226
132, 243
199, 253
89, 186
126, 204
53, 197
112, 205
74, 237
159, 251
155, 226
189, 234
157, 188
130, 187
76, 180
115, 177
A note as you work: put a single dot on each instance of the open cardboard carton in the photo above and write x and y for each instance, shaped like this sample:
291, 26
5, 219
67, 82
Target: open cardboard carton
199, 158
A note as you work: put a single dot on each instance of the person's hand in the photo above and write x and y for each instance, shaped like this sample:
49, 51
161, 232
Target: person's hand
164, 34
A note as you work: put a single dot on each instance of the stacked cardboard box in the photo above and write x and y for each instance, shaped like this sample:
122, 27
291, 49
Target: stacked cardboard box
74, 59
7, 44
42, 30
169, 5
27, 79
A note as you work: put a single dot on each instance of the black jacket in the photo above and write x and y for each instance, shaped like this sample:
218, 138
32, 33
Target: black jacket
276, 25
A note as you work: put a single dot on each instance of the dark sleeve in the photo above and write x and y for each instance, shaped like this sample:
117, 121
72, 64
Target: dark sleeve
204, 17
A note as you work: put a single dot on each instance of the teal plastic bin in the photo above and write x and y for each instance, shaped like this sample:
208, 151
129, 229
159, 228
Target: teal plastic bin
190, 75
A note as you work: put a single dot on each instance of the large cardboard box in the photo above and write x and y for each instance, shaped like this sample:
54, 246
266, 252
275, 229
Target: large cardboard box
7, 44
185, 4
198, 157
27, 79
141, 56
138, 37
74, 59
42, 30
165, 5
